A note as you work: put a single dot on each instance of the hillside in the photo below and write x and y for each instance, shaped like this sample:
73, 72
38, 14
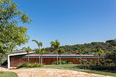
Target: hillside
109, 48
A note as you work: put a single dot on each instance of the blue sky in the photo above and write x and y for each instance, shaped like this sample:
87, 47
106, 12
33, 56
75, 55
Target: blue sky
69, 21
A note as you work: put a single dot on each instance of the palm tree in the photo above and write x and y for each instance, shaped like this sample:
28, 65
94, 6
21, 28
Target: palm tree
56, 46
61, 51
99, 52
28, 49
42, 51
39, 45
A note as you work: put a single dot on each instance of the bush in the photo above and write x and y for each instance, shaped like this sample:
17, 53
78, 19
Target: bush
62, 62
29, 65
1, 63
93, 65
85, 61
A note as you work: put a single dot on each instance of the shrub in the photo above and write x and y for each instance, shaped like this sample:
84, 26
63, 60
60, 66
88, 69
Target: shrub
62, 62
1, 63
93, 65
85, 61
29, 65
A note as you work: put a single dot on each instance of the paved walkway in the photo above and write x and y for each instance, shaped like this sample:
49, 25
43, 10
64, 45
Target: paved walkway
43, 72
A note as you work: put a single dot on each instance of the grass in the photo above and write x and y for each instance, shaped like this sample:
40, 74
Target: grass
7, 74
75, 68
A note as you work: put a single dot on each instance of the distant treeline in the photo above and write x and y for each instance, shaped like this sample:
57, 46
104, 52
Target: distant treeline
109, 48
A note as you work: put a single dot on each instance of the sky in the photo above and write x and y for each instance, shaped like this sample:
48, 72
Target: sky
69, 21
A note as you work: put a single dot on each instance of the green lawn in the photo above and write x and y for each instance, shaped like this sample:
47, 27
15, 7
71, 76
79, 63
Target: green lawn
7, 74
73, 67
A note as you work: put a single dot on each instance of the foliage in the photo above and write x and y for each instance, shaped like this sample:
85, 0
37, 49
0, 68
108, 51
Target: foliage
29, 65
38, 43
3, 56
62, 62
42, 51
1, 63
111, 55
109, 49
28, 49
93, 65
61, 51
55, 46
12, 35
38, 50
98, 67
8, 74
99, 52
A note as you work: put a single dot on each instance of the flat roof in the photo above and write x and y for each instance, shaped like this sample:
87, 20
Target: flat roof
50, 55
24, 53
58, 55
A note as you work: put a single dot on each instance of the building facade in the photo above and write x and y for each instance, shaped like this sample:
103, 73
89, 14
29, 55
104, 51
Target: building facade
47, 59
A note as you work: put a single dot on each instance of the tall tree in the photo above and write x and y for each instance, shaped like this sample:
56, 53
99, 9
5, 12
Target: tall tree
61, 51
39, 45
28, 49
80, 53
55, 44
11, 34
99, 52
42, 51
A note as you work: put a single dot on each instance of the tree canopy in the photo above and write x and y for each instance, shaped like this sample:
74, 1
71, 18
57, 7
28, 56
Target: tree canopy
28, 49
12, 35
107, 49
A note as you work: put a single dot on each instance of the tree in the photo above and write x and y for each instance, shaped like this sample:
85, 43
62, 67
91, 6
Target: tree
61, 51
28, 49
79, 52
112, 42
56, 46
39, 45
12, 35
111, 54
99, 52
42, 51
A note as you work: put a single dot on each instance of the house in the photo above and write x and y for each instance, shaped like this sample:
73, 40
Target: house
19, 58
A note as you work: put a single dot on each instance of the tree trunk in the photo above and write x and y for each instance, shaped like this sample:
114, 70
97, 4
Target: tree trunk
39, 55
80, 60
38, 59
98, 59
28, 59
57, 58
41, 59
60, 59
104, 59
